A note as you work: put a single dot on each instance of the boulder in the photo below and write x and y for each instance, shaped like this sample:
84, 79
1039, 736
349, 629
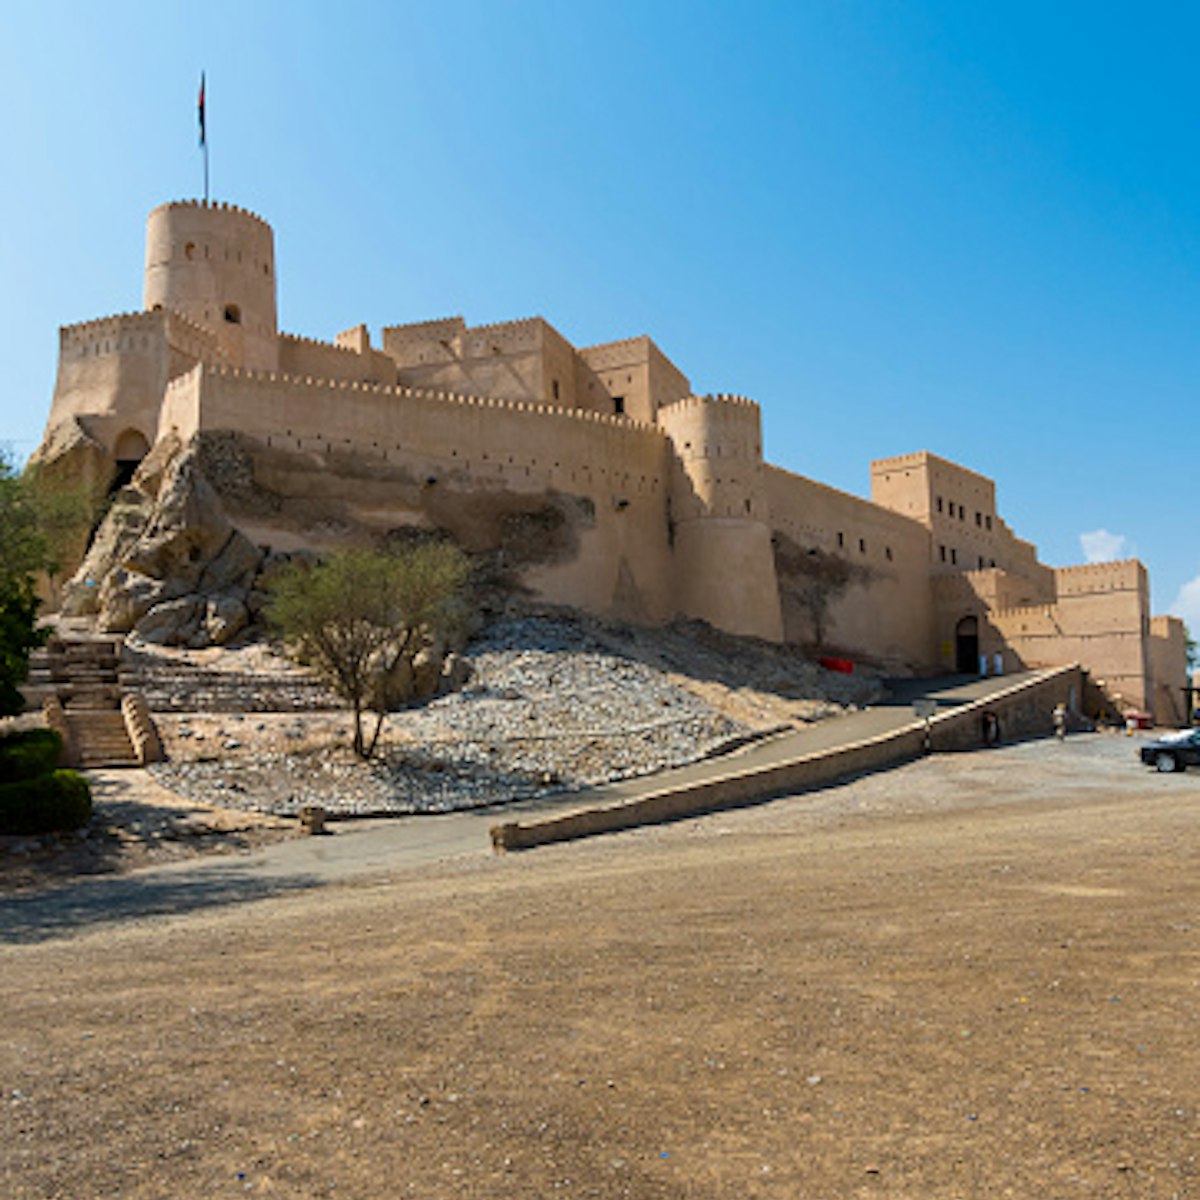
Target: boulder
188, 530
125, 597
234, 567
128, 516
152, 470
427, 672
174, 623
225, 617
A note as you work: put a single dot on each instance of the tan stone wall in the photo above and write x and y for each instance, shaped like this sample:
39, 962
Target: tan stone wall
883, 614
1101, 619
503, 360
215, 264
639, 373
431, 446
959, 508
1168, 670
724, 566
327, 360
112, 372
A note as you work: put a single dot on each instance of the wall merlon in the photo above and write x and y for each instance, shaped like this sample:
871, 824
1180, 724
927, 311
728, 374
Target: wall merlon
212, 206
301, 340
100, 326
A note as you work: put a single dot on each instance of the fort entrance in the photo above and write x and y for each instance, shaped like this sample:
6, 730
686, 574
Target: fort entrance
966, 646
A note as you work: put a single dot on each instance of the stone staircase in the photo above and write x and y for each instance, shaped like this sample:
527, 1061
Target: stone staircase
81, 671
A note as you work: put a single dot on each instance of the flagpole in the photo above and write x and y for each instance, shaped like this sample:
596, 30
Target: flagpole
203, 136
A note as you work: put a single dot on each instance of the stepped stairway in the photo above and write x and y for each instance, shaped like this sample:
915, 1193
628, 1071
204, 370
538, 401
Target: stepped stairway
81, 670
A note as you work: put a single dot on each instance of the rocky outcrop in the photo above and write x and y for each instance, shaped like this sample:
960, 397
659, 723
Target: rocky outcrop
166, 562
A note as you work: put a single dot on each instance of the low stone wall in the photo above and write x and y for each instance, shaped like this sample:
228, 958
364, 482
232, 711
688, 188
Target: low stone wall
1023, 711
139, 725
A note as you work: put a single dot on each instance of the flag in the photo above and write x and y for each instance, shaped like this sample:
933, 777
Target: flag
201, 108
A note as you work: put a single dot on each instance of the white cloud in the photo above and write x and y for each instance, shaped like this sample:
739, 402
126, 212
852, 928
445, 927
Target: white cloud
1187, 604
1101, 546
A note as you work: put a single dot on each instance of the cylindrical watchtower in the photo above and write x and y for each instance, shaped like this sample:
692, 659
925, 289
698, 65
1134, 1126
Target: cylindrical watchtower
215, 265
722, 540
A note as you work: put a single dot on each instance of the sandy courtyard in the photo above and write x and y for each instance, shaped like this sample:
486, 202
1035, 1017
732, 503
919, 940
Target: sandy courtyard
975, 976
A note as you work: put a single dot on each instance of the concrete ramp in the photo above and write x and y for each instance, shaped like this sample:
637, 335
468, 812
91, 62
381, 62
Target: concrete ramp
1022, 710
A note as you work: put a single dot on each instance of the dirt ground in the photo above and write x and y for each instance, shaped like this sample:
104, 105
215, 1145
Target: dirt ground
975, 976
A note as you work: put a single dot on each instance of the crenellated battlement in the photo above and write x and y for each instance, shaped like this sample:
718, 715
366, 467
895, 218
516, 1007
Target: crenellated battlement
710, 401
270, 378
212, 206
101, 326
521, 323
300, 340
1117, 566
900, 461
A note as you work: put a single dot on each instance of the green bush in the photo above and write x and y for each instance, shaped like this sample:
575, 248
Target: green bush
60, 800
28, 754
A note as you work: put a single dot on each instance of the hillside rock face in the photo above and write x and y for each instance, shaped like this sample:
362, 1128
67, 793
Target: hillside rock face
166, 562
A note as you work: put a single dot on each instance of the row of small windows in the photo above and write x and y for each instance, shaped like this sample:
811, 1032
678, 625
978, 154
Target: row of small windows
191, 249
983, 520
862, 546
951, 556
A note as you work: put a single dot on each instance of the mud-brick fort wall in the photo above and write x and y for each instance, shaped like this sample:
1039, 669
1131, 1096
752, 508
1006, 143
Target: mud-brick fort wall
958, 506
1168, 648
663, 502
398, 456
719, 515
112, 372
215, 264
853, 576
1100, 617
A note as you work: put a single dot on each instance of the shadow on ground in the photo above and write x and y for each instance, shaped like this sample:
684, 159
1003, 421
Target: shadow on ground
90, 903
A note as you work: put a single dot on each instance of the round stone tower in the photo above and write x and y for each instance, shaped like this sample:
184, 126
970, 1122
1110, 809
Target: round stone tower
725, 565
215, 265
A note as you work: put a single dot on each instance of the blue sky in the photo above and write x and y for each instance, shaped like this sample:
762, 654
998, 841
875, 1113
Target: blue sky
964, 227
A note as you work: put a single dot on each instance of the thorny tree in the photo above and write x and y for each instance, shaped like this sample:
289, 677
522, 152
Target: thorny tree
360, 617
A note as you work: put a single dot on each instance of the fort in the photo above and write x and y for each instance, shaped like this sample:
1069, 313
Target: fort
597, 475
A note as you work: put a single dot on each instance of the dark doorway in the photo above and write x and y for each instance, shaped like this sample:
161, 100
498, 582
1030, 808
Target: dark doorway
966, 646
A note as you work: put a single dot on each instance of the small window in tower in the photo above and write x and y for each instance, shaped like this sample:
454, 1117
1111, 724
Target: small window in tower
554, 388
987, 521
862, 545
189, 251
954, 557
233, 314
942, 553
887, 552
619, 409
979, 518
981, 562
939, 504
841, 540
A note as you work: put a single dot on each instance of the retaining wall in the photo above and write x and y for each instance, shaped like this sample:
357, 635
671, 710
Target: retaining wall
1024, 710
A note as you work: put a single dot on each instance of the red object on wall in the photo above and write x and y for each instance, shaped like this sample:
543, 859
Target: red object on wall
843, 665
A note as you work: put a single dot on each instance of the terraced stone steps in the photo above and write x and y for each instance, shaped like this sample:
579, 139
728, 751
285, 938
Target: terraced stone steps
82, 672
99, 738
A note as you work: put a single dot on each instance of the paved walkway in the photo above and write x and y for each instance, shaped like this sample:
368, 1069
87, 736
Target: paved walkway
375, 847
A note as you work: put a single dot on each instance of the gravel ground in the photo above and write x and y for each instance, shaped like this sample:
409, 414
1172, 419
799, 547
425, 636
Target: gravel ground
553, 704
